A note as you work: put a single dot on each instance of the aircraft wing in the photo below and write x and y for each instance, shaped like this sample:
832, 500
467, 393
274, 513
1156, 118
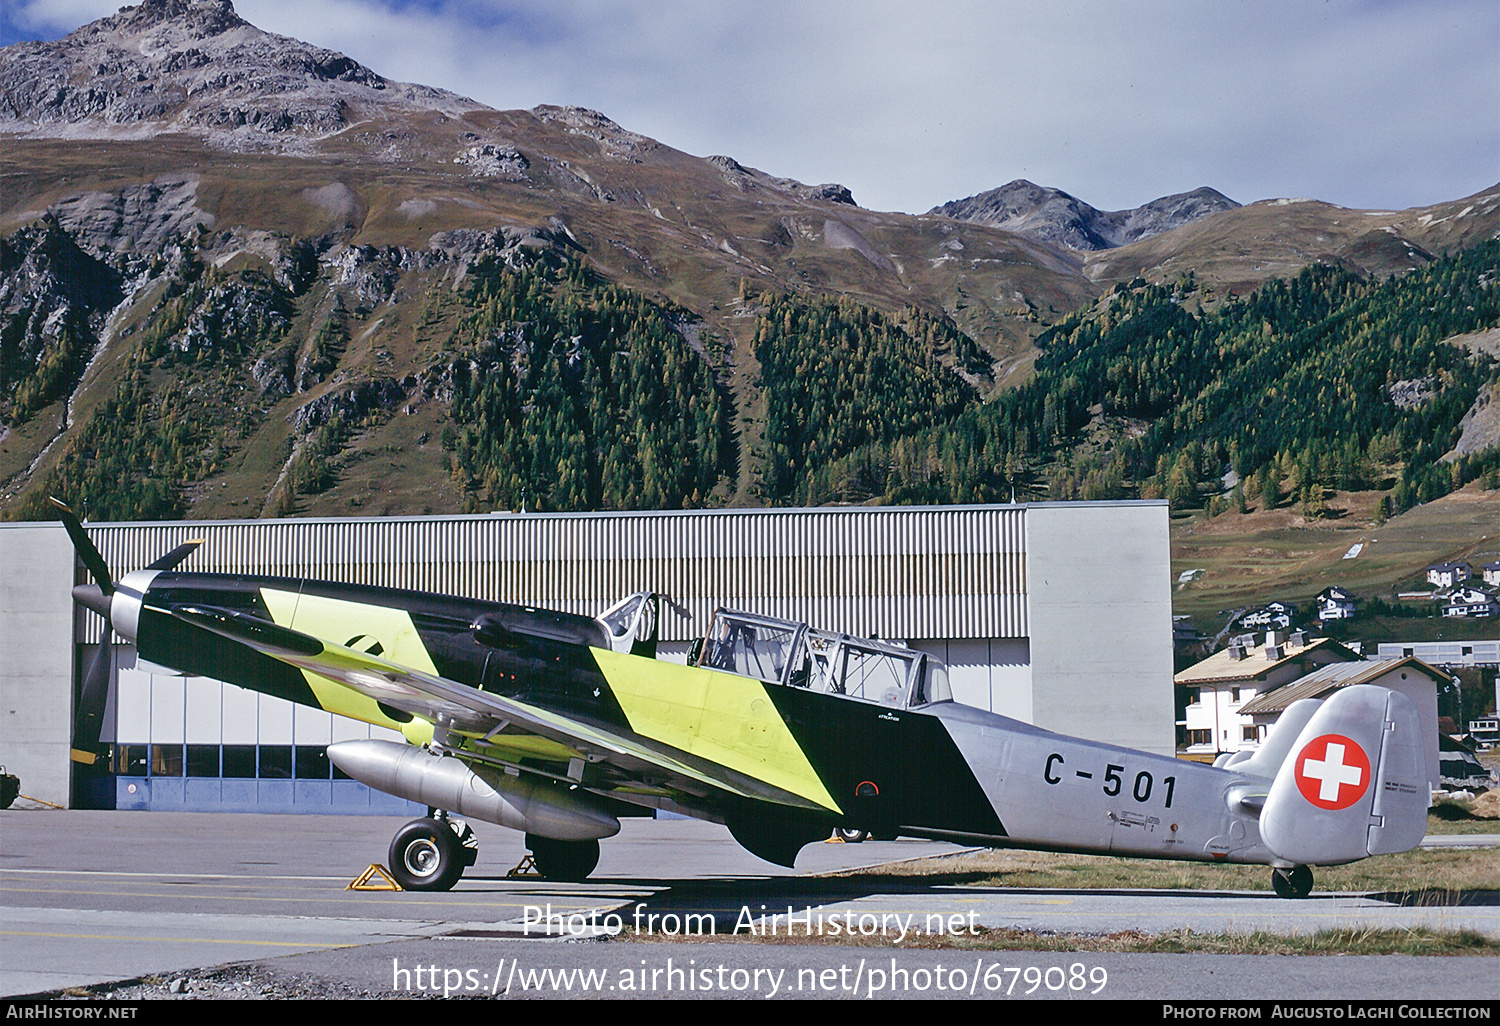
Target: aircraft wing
482, 714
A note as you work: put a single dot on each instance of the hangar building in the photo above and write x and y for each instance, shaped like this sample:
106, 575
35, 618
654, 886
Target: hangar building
1058, 614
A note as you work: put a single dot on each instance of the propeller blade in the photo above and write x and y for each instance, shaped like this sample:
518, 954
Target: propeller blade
176, 556
89, 717
98, 569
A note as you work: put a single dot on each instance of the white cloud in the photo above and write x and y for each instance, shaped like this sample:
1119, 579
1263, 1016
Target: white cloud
1376, 104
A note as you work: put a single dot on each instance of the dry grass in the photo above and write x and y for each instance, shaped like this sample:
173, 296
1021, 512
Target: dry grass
1343, 941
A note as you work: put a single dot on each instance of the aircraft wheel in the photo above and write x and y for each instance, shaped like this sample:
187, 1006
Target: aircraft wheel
563, 860
426, 856
1296, 882
851, 835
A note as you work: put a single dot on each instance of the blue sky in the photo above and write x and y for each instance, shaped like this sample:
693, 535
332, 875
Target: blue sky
1368, 104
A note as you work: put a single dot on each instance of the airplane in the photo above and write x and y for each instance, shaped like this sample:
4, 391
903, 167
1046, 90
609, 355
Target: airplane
559, 725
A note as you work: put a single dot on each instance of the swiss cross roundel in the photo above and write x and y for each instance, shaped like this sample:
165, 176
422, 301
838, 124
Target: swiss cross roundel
1333, 772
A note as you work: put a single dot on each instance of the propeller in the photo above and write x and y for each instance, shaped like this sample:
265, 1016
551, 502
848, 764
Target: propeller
88, 720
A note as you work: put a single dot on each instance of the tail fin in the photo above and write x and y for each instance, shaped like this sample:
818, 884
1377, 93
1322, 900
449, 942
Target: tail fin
1353, 784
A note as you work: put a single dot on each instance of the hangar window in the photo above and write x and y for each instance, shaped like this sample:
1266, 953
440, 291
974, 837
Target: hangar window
202, 760
312, 762
239, 761
166, 760
132, 760
275, 762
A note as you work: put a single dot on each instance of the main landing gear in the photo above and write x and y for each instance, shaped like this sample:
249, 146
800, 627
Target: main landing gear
1295, 882
431, 854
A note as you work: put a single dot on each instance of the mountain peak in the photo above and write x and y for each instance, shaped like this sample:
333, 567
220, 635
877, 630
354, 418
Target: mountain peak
195, 66
202, 19
1055, 216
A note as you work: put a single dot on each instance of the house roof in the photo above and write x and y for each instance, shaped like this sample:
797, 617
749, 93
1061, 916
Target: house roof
1220, 667
1326, 679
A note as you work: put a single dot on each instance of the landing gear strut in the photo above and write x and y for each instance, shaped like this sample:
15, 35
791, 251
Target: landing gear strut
563, 860
427, 855
1296, 882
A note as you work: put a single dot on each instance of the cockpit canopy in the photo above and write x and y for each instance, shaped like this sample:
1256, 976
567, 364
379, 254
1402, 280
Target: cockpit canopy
795, 655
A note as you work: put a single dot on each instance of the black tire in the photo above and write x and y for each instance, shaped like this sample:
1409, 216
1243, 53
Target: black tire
851, 835
563, 860
468, 846
426, 856
1296, 882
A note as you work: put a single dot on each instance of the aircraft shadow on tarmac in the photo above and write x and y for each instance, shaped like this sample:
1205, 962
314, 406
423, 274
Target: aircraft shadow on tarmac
1433, 899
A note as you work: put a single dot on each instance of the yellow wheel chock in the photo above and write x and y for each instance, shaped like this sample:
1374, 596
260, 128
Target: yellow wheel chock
376, 878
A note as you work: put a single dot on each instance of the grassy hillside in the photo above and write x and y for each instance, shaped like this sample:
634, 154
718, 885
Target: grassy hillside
1249, 559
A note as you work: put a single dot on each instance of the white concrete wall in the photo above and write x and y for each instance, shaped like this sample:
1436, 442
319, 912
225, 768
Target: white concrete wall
1100, 612
36, 647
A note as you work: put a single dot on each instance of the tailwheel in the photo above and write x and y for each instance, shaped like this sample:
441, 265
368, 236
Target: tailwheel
1296, 882
426, 855
563, 860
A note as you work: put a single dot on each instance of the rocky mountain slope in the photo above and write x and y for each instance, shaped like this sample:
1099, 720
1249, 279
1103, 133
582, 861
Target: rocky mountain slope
196, 66
282, 245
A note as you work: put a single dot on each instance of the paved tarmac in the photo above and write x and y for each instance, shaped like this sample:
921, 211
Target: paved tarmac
94, 897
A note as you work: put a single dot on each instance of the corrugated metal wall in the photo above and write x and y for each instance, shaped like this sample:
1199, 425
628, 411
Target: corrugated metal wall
920, 572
